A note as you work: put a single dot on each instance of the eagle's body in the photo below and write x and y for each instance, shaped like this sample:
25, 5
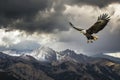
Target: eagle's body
98, 26
89, 37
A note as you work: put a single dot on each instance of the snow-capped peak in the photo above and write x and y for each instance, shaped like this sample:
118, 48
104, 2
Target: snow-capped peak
67, 52
44, 54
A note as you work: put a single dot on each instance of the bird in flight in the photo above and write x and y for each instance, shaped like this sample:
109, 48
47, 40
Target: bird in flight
98, 26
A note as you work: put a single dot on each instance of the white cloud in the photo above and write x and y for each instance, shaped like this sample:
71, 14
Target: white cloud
16, 39
117, 54
25, 45
8, 38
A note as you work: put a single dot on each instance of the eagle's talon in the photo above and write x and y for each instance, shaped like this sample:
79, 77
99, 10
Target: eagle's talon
88, 41
95, 38
91, 41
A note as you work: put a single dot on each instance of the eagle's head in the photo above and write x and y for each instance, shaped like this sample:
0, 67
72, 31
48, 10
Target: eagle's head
83, 31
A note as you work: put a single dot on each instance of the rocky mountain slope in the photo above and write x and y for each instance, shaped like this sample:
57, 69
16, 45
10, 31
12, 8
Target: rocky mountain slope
69, 66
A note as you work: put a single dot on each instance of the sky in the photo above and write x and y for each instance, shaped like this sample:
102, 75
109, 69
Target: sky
29, 24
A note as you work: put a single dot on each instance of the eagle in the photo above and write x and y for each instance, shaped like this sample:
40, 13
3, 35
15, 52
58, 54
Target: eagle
102, 21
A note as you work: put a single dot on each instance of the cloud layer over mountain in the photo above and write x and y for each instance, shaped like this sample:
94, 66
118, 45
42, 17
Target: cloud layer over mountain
46, 22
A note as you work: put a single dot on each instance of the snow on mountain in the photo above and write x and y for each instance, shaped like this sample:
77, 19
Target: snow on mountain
14, 52
44, 54
10, 52
73, 56
67, 55
47, 54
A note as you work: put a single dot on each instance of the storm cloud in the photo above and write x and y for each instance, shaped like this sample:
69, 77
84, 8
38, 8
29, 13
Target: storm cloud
43, 16
31, 15
98, 3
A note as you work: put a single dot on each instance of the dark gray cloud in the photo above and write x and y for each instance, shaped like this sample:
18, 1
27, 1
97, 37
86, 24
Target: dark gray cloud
20, 8
99, 3
55, 22
26, 10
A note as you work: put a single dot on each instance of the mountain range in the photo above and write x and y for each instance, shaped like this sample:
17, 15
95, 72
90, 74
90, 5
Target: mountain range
46, 64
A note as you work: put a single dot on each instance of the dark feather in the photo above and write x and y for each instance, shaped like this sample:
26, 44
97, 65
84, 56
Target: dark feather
79, 29
100, 24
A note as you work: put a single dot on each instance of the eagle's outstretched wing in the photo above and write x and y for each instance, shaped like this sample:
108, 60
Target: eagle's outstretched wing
79, 29
100, 24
